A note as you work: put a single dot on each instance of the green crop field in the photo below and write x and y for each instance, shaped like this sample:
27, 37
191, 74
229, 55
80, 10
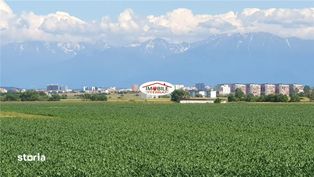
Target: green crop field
149, 139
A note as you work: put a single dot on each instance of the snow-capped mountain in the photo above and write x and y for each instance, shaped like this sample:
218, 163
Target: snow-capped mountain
251, 57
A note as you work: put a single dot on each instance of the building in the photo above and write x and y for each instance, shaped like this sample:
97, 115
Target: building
254, 89
53, 88
242, 87
296, 88
200, 86
3, 90
224, 90
192, 93
178, 86
203, 93
212, 94
134, 88
268, 89
283, 89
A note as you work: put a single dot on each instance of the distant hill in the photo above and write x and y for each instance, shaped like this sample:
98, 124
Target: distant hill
251, 57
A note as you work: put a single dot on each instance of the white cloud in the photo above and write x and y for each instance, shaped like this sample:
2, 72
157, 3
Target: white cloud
178, 25
62, 22
179, 21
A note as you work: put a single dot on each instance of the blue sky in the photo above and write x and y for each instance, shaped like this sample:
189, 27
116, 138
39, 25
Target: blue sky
71, 25
94, 10
125, 23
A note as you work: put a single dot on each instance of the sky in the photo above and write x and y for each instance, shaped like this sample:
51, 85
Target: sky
70, 25
121, 23
83, 10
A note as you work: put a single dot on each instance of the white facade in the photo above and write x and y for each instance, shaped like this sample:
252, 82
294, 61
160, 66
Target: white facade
224, 89
213, 94
3, 90
254, 89
268, 89
296, 88
203, 93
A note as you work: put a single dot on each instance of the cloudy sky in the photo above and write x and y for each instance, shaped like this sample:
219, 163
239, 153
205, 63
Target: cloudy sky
120, 23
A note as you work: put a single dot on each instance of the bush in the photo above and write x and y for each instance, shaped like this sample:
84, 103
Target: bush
30, 96
95, 97
231, 98
294, 98
98, 97
11, 97
54, 97
178, 95
64, 96
217, 100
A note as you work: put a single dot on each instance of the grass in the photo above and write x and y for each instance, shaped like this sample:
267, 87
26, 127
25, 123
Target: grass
147, 139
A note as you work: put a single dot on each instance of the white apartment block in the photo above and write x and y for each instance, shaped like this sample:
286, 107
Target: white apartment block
296, 88
242, 87
283, 89
254, 89
268, 89
224, 90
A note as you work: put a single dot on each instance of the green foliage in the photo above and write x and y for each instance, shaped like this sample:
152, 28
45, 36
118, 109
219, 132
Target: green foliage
294, 98
64, 96
11, 97
217, 100
33, 96
95, 97
178, 95
144, 139
251, 98
231, 98
98, 97
54, 97
307, 91
238, 93
312, 95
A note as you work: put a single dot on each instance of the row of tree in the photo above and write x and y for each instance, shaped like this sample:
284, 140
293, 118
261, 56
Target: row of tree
31, 96
294, 97
94, 97
178, 95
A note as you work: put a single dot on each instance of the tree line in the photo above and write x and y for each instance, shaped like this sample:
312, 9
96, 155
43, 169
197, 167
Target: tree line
42, 96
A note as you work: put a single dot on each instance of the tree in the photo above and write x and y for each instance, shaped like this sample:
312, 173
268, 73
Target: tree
312, 95
238, 93
98, 97
178, 95
30, 96
54, 97
251, 98
281, 98
217, 100
307, 91
231, 98
11, 97
294, 98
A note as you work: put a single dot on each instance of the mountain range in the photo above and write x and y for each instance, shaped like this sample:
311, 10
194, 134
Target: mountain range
225, 58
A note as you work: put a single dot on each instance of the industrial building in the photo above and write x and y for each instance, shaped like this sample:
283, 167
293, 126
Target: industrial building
200, 86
